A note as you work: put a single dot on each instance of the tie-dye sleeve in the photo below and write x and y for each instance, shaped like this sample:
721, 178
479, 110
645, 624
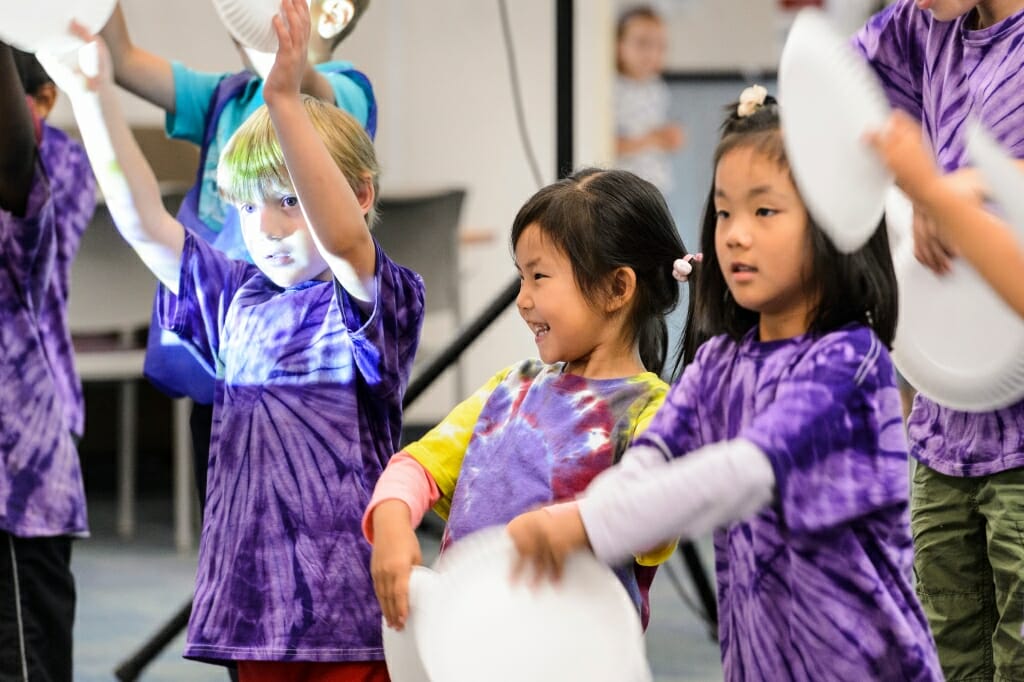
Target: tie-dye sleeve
384, 341
206, 285
28, 244
892, 42
442, 450
834, 434
675, 428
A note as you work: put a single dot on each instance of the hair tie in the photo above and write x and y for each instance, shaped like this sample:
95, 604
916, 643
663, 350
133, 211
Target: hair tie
751, 99
681, 267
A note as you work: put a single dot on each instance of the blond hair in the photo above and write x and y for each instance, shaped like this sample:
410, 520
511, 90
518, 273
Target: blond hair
252, 168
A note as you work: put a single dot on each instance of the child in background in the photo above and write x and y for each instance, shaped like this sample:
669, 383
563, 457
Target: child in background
975, 233
206, 109
784, 434
42, 500
73, 192
313, 346
594, 253
943, 62
644, 136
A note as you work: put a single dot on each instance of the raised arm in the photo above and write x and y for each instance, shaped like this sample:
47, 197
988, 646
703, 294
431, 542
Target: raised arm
18, 149
335, 213
140, 72
124, 175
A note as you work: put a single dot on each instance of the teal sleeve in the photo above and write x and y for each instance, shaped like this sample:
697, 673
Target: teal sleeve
193, 92
349, 94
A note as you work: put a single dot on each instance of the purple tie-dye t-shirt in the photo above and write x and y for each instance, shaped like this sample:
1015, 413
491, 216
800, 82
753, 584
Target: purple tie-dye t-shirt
945, 74
307, 411
816, 586
41, 492
74, 199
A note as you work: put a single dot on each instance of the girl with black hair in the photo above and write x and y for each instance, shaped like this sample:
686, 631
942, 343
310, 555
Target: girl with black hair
784, 434
594, 253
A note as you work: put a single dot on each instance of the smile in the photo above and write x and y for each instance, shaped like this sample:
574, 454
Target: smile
280, 259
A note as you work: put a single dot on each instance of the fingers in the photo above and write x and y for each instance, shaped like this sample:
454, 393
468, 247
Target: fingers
928, 250
81, 32
392, 588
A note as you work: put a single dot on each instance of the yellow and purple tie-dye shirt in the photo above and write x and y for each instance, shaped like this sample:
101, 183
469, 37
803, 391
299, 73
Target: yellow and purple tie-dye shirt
534, 435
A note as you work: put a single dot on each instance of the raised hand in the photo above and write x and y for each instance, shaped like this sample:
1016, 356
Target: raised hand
83, 70
292, 29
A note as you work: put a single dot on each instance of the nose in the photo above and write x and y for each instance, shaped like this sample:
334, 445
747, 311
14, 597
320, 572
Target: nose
523, 300
737, 234
271, 226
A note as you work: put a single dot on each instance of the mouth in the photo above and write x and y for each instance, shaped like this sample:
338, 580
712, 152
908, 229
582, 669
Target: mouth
738, 268
539, 329
279, 258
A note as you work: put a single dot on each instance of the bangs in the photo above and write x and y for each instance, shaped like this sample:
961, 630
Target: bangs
251, 166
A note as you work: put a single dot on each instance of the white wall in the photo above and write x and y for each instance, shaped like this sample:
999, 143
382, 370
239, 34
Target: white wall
446, 115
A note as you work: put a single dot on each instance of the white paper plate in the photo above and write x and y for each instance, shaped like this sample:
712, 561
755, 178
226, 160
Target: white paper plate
44, 24
956, 341
249, 21
482, 627
829, 99
400, 651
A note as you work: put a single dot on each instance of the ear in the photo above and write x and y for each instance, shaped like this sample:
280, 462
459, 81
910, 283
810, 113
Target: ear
621, 289
335, 15
365, 194
45, 98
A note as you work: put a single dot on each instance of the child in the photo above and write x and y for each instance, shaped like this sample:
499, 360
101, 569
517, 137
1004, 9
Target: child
73, 192
312, 345
42, 500
784, 434
943, 62
206, 109
594, 253
975, 233
645, 137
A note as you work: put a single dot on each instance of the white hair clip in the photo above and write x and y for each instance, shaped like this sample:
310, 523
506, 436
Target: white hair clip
681, 267
751, 99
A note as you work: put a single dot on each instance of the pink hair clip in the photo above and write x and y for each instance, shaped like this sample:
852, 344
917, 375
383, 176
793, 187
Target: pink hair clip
681, 267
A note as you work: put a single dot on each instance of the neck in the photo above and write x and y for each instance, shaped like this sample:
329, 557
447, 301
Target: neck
604, 363
786, 325
993, 11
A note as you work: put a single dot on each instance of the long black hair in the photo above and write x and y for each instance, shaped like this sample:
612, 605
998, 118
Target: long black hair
606, 219
857, 287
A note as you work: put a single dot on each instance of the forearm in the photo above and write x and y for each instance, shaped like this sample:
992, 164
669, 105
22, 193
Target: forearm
327, 199
404, 479
18, 149
140, 72
128, 183
316, 85
989, 244
633, 145
648, 500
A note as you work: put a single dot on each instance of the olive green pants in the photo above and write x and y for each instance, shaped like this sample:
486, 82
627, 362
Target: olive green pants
969, 562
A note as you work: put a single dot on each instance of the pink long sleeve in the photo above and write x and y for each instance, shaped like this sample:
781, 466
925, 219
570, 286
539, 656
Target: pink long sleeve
403, 479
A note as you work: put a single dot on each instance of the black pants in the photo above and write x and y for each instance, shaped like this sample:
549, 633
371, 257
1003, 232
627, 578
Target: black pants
37, 609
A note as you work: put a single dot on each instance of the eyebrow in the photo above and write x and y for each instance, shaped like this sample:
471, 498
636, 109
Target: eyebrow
529, 264
754, 192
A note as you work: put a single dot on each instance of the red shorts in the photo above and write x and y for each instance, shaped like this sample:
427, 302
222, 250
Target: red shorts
278, 671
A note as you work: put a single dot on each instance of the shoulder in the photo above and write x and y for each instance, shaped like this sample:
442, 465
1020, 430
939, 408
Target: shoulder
853, 353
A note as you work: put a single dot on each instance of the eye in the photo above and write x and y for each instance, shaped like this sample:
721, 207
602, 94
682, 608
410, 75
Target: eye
721, 215
539, 275
290, 201
247, 208
765, 212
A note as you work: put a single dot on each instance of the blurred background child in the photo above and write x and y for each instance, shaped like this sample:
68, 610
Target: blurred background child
645, 138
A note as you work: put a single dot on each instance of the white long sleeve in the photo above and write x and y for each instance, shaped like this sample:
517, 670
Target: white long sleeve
648, 499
